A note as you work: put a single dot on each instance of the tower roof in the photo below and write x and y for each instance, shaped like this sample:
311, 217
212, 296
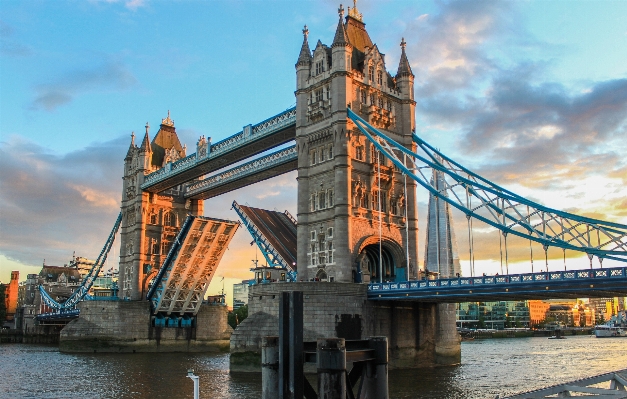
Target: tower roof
304, 58
356, 30
404, 69
341, 37
166, 138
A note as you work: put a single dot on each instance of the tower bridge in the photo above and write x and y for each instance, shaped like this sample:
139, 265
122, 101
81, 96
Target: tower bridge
351, 138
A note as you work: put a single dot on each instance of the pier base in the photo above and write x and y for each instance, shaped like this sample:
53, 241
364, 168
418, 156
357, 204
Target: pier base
419, 334
125, 326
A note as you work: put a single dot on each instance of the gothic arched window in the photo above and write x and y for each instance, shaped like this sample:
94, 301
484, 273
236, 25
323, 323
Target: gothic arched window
380, 77
371, 73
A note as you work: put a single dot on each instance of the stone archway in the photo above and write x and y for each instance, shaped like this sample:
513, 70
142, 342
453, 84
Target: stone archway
391, 256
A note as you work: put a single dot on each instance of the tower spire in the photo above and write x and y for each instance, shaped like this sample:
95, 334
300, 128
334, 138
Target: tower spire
404, 69
304, 58
341, 37
129, 153
145, 147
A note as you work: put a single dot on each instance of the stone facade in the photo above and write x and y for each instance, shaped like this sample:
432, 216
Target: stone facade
417, 336
349, 196
150, 221
125, 326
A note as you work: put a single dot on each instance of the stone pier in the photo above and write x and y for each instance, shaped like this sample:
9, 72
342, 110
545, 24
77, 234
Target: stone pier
419, 334
125, 326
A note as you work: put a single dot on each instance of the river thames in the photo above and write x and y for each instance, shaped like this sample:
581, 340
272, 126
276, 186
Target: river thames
489, 367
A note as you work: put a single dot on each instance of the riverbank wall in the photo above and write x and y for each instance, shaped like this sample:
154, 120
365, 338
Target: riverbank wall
31, 335
127, 326
419, 334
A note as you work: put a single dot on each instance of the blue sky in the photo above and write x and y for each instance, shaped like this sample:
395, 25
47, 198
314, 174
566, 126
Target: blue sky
532, 94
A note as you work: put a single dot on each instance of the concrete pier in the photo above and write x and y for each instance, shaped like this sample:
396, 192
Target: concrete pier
125, 326
419, 334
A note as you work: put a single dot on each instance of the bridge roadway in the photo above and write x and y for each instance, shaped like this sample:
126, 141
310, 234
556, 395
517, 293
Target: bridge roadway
252, 140
591, 283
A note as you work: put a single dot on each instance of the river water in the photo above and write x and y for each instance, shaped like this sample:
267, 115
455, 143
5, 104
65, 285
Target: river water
489, 367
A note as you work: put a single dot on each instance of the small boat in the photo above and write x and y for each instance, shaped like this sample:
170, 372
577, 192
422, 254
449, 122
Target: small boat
609, 331
557, 337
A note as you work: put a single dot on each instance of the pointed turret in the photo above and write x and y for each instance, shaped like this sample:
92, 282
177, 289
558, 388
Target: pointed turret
341, 37
404, 69
131, 148
304, 58
145, 147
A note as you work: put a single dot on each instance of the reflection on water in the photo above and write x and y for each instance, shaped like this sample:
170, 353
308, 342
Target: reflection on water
489, 367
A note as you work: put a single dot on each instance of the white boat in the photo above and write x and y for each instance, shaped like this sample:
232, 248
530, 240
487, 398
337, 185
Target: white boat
609, 331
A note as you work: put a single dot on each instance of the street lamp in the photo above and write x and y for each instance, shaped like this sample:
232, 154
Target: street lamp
190, 374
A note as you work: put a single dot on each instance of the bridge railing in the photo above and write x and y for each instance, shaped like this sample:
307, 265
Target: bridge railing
568, 275
249, 134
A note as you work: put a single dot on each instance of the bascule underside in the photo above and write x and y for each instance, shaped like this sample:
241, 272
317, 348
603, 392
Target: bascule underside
188, 269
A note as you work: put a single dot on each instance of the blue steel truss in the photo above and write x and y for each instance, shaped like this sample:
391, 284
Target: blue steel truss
608, 282
88, 281
272, 256
497, 206
250, 134
252, 167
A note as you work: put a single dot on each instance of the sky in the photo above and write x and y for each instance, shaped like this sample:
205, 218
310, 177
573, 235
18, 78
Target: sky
530, 94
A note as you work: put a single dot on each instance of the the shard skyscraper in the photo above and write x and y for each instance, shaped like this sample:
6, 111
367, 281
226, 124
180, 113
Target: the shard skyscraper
441, 254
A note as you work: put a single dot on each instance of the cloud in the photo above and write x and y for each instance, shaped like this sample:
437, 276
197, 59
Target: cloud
9, 46
484, 89
132, 5
52, 205
106, 77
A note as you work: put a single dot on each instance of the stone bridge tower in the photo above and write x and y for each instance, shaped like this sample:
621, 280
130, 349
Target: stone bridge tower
347, 198
150, 221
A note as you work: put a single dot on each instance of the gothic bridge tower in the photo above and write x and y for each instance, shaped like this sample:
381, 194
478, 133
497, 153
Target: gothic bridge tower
349, 198
150, 221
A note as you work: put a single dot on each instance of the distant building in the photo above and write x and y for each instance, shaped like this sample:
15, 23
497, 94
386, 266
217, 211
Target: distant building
11, 291
493, 315
537, 311
240, 294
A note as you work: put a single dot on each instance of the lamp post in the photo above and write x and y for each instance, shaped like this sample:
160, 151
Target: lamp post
190, 374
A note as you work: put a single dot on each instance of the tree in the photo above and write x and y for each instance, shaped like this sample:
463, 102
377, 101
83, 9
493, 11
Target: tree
3, 307
237, 316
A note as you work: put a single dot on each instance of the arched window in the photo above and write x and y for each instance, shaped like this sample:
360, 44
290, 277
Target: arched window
153, 218
380, 77
371, 73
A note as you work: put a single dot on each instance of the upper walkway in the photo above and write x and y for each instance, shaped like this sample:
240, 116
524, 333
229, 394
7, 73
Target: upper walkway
252, 140
593, 283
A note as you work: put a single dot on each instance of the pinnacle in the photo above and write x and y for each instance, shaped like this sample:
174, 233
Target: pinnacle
304, 58
341, 37
404, 69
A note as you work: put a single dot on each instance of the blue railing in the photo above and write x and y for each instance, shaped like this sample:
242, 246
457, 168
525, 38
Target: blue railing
511, 279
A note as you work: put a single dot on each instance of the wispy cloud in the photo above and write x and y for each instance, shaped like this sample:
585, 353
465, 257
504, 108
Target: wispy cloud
132, 5
9, 45
106, 77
